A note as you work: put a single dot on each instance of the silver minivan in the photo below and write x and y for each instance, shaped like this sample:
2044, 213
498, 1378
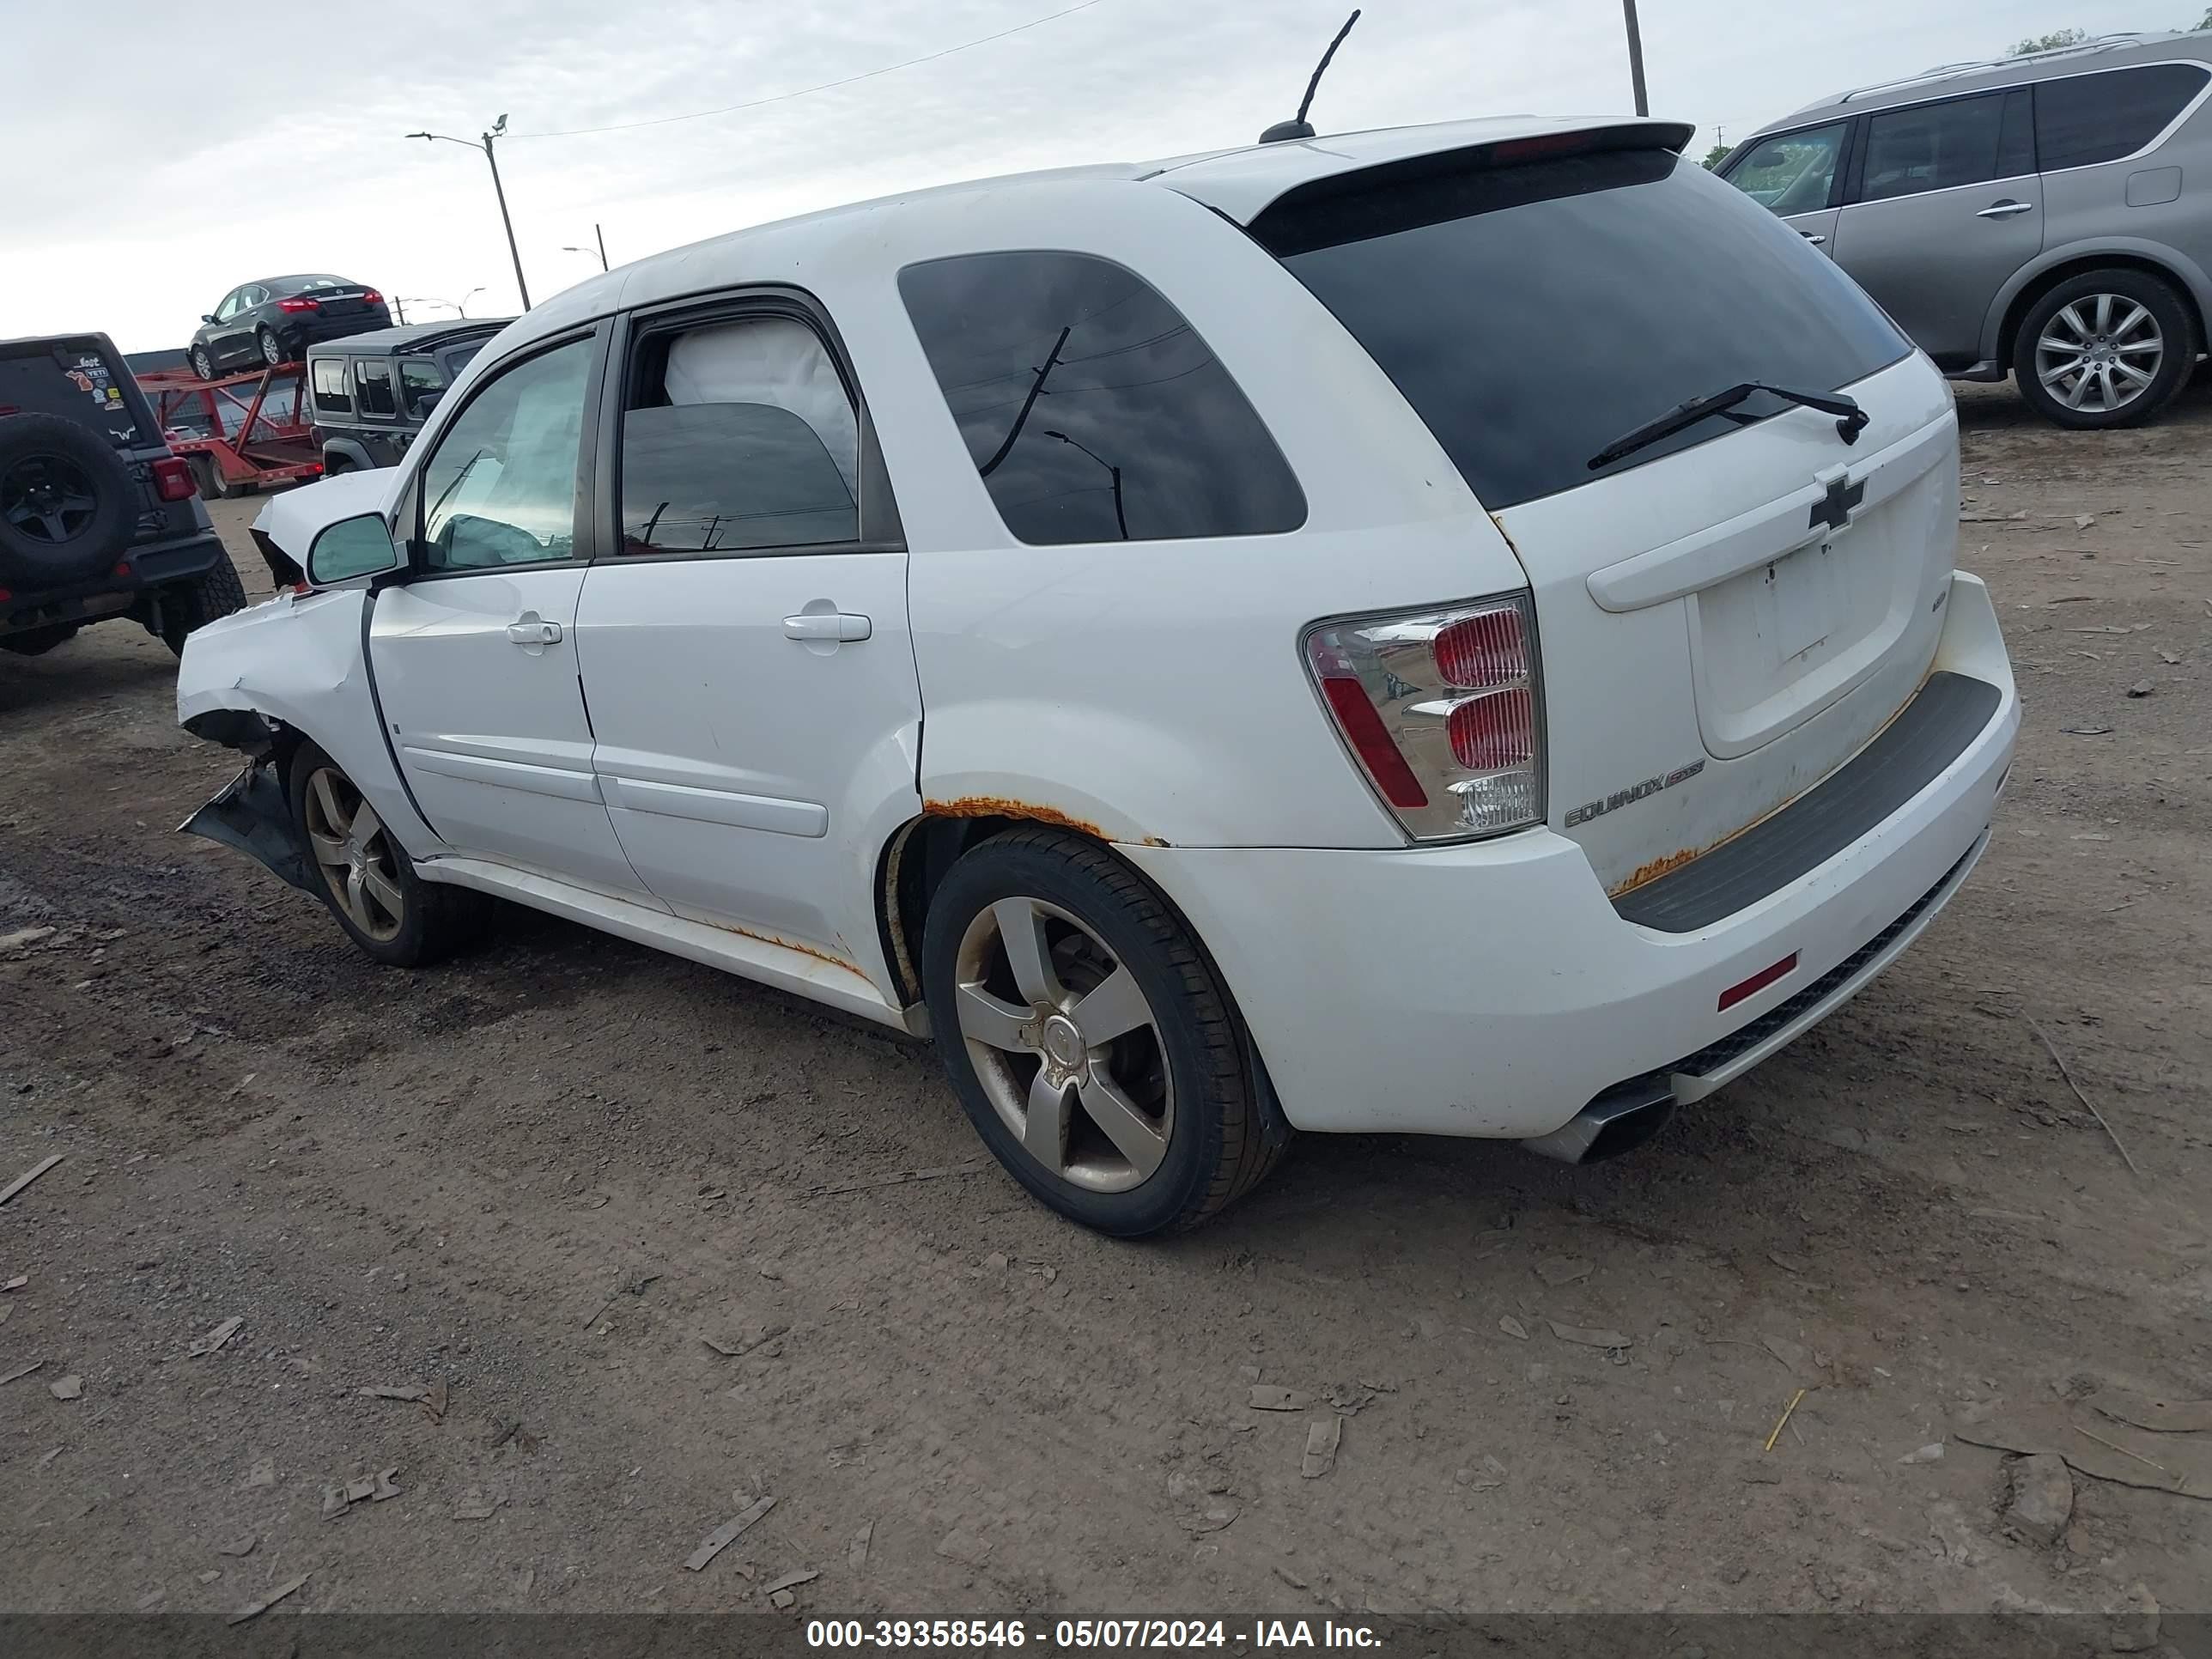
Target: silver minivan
2047, 217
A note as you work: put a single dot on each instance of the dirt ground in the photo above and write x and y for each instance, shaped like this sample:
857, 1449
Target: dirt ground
534, 1179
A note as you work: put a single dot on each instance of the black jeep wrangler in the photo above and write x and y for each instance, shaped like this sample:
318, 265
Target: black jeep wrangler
371, 393
98, 519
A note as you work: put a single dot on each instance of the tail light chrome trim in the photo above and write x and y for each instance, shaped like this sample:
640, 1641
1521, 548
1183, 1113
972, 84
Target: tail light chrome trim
1442, 710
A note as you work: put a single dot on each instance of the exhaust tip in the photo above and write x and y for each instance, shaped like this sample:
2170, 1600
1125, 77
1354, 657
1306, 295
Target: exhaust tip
1619, 1121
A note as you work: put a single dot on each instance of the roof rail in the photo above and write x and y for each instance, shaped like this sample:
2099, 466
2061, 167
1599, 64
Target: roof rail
1944, 71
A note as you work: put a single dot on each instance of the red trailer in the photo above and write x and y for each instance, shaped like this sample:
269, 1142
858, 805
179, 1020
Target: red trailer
240, 432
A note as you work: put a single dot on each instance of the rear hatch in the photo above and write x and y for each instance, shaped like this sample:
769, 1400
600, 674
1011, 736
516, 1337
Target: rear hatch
1724, 615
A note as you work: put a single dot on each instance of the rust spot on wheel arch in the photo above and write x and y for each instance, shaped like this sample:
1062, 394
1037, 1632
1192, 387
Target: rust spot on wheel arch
1001, 806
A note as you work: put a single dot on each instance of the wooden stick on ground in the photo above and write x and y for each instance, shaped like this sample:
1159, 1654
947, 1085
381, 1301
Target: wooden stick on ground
28, 1177
2059, 1059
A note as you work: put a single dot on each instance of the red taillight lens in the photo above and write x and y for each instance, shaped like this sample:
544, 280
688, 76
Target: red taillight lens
1479, 652
1495, 733
1440, 709
173, 479
300, 304
1371, 741
371, 297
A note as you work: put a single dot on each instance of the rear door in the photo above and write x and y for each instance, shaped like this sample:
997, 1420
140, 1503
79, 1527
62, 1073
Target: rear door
1947, 205
744, 633
1798, 177
475, 655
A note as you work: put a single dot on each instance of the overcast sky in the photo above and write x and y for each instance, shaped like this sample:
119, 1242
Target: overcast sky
167, 153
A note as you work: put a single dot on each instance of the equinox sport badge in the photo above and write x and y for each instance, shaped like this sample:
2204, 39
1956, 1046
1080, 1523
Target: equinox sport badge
1635, 792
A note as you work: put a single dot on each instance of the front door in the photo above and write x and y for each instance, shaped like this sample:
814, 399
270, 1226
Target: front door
743, 639
475, 655
1949, 206
1795, 175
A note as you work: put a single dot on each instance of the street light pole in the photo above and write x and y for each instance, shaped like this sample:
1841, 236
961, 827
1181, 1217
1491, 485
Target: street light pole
597, 232
1635, 57
489, 138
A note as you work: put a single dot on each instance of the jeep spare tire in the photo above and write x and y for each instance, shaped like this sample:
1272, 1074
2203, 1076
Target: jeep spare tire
68, 507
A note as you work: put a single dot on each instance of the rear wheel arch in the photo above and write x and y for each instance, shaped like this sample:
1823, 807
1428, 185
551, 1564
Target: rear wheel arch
2083, 264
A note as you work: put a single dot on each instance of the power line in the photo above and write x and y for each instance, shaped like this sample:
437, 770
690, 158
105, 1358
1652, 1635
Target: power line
778, 98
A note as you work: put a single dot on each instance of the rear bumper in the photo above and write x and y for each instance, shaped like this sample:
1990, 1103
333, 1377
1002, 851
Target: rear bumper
147, 565
1494, 990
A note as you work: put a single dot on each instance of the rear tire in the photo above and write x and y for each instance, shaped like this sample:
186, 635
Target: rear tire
2082, 347
394, 915
272, 349
1118, 1030
197, 600
213, 485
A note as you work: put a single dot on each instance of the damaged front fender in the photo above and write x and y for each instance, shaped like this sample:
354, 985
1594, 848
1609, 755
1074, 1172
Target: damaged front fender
251, 813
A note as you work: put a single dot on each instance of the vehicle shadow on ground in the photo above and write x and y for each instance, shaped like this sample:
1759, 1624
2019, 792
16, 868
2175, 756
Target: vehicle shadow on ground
1998, 407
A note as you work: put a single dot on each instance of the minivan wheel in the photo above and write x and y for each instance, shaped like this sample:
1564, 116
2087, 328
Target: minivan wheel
2106, 348
1089, 1038
364, 875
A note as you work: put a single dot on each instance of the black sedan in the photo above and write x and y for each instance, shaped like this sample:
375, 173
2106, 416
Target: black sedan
275, 320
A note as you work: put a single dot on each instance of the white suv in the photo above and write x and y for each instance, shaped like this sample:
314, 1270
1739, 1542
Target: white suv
1340, 635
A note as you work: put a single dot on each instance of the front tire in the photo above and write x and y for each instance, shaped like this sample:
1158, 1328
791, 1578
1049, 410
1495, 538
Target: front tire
360, 871
203, 365
1089, 1039
2106, 348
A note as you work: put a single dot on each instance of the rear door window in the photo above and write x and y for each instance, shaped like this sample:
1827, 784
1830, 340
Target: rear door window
1792, 171
1531, 313
739, 437
1093, 410
2083, 119
1935, 147
373, 381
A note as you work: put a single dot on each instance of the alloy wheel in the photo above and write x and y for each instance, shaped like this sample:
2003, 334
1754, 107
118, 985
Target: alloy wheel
48, 498
2100, 353
203, 365
271, 353
1066, 1045
356, 857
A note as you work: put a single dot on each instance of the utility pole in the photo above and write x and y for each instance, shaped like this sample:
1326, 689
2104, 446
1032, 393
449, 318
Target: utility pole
602, 236
1635, 57
489, 138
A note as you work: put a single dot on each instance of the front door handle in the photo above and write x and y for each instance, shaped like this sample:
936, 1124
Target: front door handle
530, 629
1815, 238
826, 625
2005, 210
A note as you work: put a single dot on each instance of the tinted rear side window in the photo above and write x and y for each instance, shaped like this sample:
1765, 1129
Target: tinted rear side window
332, 396
1532, 314
1093, 409
2082, 120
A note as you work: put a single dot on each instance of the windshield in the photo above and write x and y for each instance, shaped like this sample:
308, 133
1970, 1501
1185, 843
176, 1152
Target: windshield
1531, 314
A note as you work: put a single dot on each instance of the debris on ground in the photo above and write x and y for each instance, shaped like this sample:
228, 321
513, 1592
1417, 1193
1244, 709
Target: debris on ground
974, 1166
2086, 731
66, 1387
755, 1335
16, 1283
856, 1557
2141, 688
475, 1504
22, 1371
406, 1391
2040, 1498
1583, 1336
216, 1339
2067, 1072
262, 1472
1322, 1439
31, 1173
1215, 1518
1557, 1270
792, 1580
1781, 1422
1931, 1453
1290, 1577
965, 1546
2098, 1447
2161, 1416
1513, 1328
239, 1546
23, 937
1266, 1397
726, 1534
254, 1609
362, 1489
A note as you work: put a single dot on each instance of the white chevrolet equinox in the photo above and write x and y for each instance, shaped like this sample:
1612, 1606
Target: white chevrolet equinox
1449, 630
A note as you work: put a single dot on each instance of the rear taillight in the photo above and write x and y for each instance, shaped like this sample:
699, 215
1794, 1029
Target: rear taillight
371, 297
173, 479
1440, 708
300, 304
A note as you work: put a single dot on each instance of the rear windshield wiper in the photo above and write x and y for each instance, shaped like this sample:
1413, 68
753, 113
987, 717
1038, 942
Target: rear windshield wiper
1850, 419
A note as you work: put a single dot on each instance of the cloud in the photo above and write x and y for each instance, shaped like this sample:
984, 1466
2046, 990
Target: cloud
172, 154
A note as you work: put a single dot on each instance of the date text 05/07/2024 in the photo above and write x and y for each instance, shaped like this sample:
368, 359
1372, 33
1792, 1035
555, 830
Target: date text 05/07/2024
1083, 1633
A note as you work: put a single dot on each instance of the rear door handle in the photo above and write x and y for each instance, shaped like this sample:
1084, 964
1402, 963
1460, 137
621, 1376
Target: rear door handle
530, 629
826, 625
1815, 238
2005, 210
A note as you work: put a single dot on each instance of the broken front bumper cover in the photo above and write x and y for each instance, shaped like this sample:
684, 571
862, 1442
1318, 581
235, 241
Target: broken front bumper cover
250, 813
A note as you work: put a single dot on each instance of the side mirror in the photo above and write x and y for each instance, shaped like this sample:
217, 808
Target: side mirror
351, 548
207, 316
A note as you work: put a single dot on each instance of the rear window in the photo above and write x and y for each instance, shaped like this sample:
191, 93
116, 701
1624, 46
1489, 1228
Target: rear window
76, 380
2083, 119
1093, 410
1533, 314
